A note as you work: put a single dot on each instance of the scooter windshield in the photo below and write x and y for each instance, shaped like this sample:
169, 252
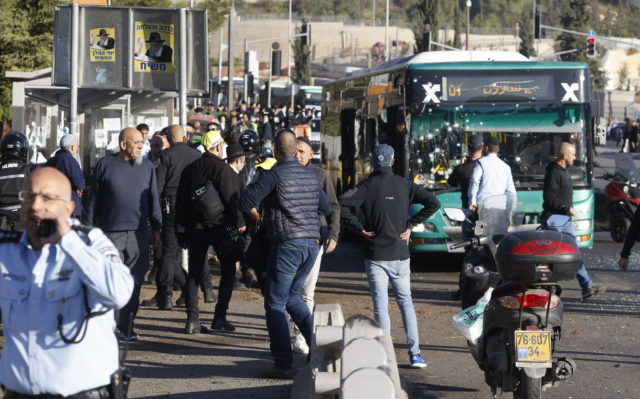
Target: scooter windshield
626, 168
496, 213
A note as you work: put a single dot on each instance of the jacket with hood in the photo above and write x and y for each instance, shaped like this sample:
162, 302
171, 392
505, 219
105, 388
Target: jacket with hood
557, 192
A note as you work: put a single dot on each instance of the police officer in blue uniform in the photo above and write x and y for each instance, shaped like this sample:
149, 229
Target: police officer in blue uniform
59, 286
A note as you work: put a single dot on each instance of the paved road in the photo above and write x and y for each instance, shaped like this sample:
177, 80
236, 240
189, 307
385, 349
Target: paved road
602, 335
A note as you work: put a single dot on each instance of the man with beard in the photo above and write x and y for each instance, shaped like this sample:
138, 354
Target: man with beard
124, 202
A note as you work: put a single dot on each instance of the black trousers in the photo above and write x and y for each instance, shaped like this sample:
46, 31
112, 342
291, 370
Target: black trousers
134, 252
198, 245
170, 274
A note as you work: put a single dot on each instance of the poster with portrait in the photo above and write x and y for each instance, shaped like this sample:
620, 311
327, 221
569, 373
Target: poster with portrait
153, 47
102, 45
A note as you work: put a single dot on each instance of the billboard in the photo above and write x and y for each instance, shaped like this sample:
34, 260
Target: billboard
134, 48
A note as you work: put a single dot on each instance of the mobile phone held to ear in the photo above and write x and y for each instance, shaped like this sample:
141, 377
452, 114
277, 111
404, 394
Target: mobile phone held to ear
46, 228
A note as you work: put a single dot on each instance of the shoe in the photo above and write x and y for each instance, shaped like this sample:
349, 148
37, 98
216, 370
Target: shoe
417, 361
149, 302
166, 303
593, 291
209, 296
249, 278
300, 345
239, 285
181, 301
222, 325
277, 374
192, 327
132, 337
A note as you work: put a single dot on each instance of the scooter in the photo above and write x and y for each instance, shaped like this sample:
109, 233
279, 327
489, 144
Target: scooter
622, 194
522, 322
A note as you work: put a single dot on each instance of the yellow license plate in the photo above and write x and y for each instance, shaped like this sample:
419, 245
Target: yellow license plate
533, 346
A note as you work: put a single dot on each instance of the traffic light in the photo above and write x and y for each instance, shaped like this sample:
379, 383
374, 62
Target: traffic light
275, 62
537, 22
591, 46
305, 29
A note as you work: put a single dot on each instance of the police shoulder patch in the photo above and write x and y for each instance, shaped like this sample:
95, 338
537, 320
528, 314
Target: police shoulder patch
10, 236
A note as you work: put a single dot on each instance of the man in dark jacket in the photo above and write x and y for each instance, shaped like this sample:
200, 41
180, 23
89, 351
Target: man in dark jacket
330, 230
384, 199
65, 161
172, 163
14, 169
124, 201
199, 233
558, 200
292, 200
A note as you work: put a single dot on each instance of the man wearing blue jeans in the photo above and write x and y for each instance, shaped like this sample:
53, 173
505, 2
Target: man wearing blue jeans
292, 200
383, 200
557, 195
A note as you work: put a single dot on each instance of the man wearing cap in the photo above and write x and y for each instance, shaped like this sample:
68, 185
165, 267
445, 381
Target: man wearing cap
172, 163
158, 51
65, 161
329, 231
384, 199
461, 175
491, 175
198, 233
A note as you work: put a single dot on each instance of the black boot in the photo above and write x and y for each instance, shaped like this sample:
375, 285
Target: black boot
165, 301
209, 296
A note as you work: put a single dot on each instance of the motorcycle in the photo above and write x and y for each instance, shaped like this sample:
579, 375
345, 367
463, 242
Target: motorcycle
522, 321
622, 195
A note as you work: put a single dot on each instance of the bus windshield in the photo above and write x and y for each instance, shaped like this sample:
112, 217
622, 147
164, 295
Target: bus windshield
530, 136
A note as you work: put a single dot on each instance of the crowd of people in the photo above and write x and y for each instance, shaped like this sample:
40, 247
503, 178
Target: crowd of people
240, 188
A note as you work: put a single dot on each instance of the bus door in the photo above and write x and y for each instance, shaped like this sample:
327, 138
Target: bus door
348, 148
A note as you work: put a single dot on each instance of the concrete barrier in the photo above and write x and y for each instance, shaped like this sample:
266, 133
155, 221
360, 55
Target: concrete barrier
348, 360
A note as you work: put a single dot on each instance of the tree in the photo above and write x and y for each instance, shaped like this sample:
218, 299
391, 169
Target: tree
26, 42
426, 13
457, 24
526, 36
302, 61
577, 17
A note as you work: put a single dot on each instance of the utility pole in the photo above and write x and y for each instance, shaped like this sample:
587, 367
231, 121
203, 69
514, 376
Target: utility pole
386, 33
468, 23
220, 69
289, 53
232, 16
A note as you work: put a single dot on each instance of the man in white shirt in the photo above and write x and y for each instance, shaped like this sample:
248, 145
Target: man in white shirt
491, 176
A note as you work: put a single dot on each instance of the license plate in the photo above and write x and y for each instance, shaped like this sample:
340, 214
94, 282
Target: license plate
533, 347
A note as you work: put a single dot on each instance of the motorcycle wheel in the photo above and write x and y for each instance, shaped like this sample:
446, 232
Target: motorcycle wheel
618, 227
528, 388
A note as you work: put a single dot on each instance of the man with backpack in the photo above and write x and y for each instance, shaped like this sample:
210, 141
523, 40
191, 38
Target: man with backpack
207, 214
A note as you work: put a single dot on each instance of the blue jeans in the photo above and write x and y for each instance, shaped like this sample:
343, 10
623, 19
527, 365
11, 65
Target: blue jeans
288, 266
379, 272
583, 277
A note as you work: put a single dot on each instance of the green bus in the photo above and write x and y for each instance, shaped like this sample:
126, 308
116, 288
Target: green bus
428, 105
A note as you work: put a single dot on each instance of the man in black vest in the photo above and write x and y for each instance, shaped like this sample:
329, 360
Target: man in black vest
292, 200
14, 168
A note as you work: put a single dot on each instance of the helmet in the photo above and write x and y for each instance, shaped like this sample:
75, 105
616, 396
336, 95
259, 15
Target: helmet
250, 141
14, 145
265, 152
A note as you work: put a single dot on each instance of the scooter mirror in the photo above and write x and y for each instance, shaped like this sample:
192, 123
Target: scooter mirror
456, 214
558, 220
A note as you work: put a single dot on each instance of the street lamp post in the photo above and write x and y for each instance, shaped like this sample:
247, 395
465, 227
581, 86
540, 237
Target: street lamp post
386, 33
468, 22
289, 53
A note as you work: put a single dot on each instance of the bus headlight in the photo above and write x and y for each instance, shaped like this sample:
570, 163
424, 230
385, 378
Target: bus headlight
424, 227
418, 228
582, 225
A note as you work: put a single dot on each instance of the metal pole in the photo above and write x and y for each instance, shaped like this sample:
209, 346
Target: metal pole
245, 93
269, 91
386, 33
75, 48
183, 67
468, 23
373, 14
289, 52
232, 15
219, 95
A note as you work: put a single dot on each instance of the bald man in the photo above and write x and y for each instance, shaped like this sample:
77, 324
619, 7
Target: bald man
124, 202
172, 162
50, 274
293, 202
557, 197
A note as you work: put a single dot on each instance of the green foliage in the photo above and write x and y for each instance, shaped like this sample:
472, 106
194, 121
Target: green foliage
302, 61
350, 8
526, 35
577, 17
425, 12
26, 42
457, 25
